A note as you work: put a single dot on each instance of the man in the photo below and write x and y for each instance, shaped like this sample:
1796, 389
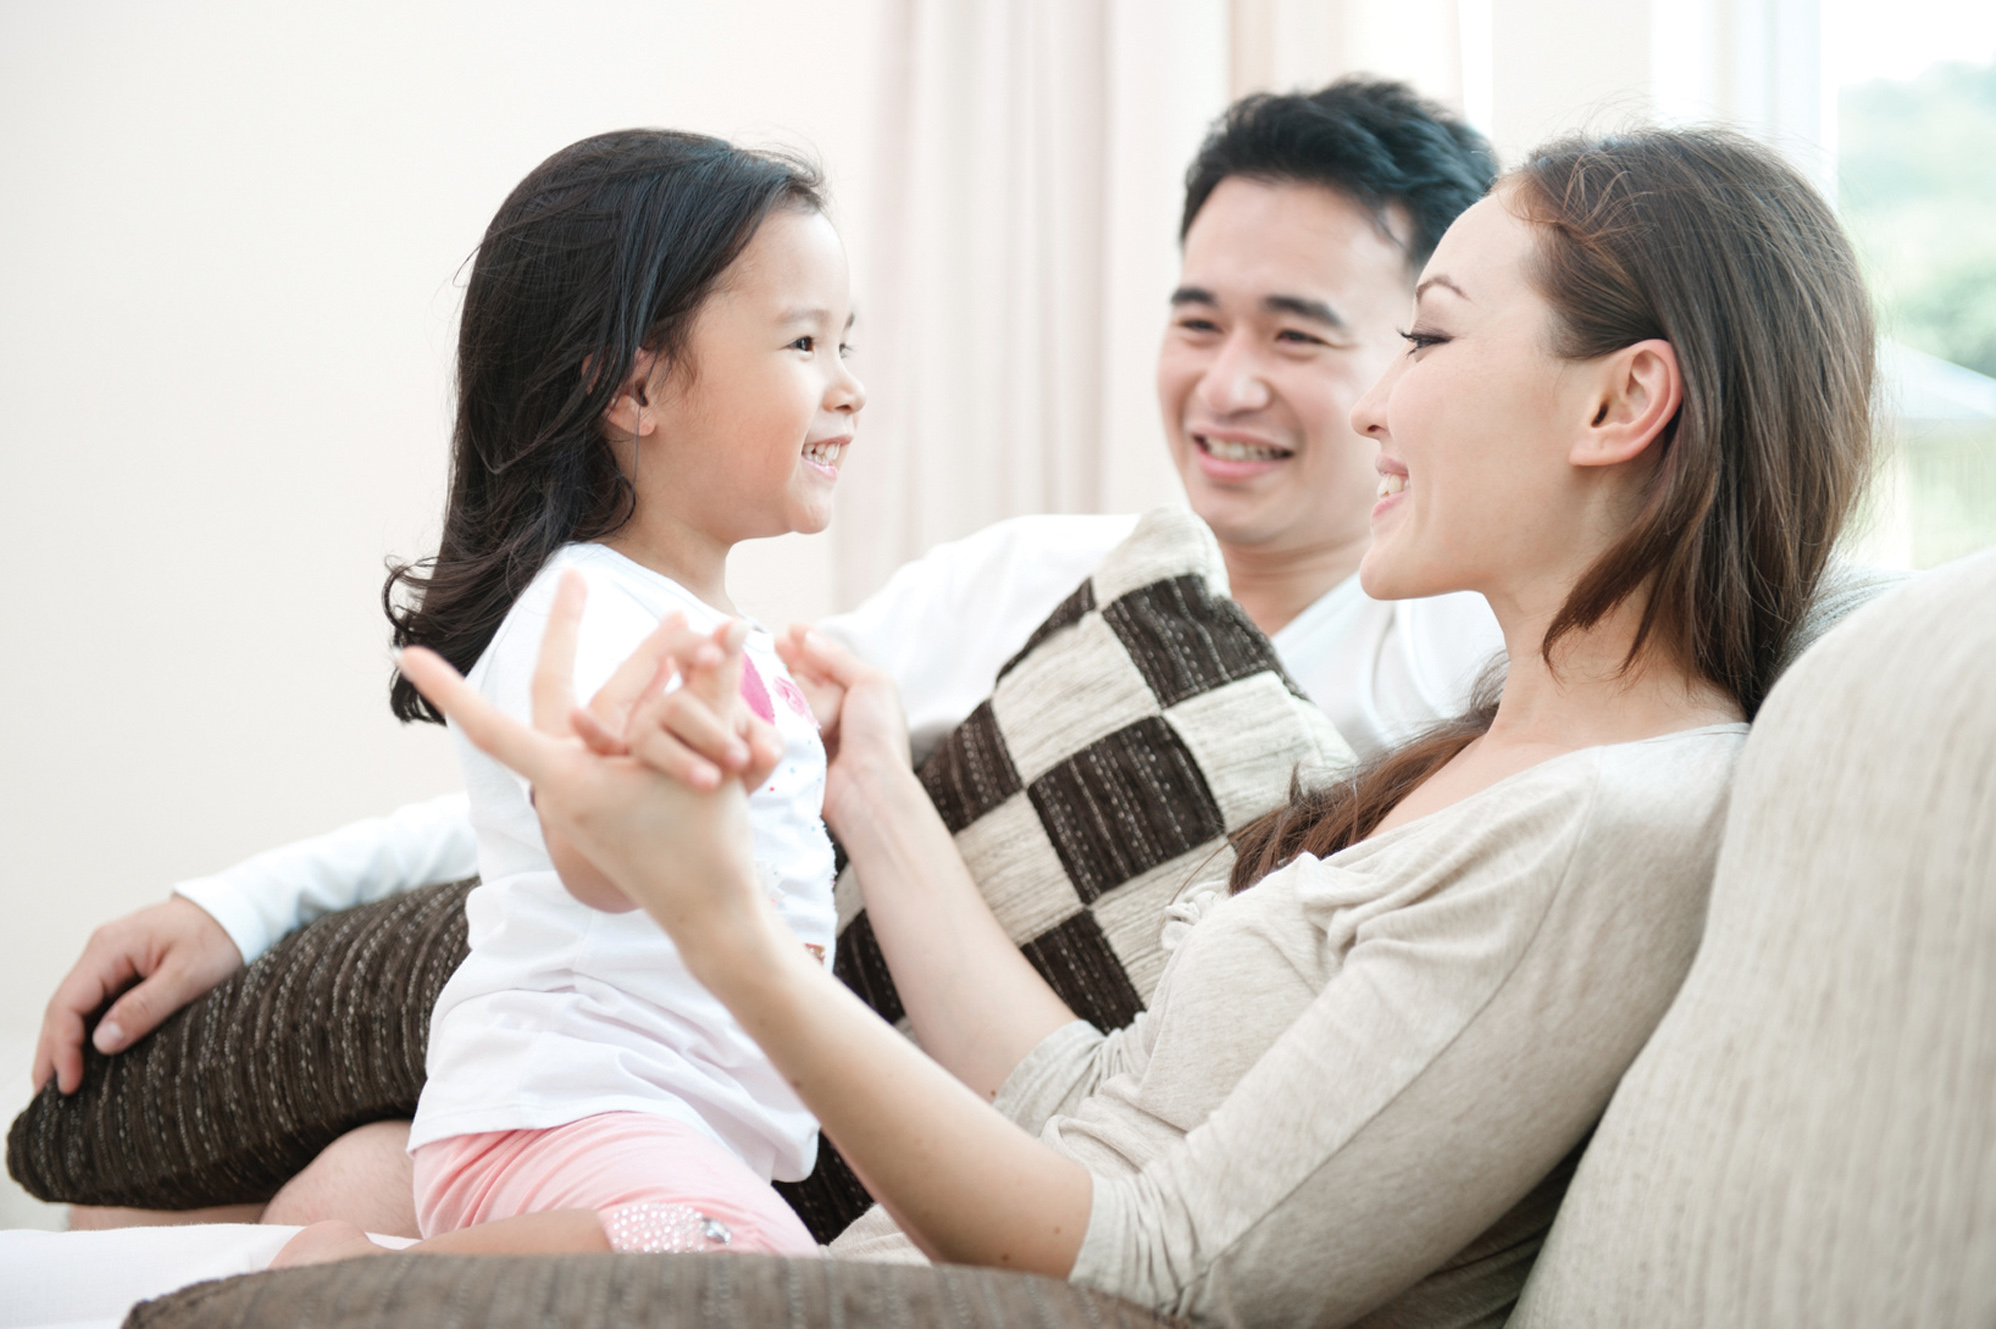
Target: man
1306, 222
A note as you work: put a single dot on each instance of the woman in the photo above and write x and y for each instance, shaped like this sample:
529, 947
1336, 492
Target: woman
1360, 1073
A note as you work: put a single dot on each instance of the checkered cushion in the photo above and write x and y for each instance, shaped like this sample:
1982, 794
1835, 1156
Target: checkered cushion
1141, 723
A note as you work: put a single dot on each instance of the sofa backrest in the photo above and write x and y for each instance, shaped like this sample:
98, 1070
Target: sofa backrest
1810, 1136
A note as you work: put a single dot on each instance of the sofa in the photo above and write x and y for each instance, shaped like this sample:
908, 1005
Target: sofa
1809, 1138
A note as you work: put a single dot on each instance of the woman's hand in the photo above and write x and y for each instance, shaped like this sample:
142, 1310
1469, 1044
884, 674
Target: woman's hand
698, 734
860, 717
627, 710
176, 950
681, 852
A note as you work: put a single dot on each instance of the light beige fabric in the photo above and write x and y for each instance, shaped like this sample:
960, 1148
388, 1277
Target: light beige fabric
1845, 587
1028, 175
1353, 1092
1810, 1138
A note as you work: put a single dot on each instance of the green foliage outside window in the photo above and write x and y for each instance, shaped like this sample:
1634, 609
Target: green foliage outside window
1917, 184
1917, 187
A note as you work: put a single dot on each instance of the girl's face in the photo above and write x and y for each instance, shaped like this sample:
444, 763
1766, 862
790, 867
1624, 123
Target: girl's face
753, 421
1483, 435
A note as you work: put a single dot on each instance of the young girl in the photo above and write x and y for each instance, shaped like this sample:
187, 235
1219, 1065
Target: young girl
651, 369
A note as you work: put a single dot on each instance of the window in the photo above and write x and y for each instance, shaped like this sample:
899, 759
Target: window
1915, 82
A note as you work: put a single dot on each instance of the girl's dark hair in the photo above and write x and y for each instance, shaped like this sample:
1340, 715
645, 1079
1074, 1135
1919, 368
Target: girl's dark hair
605, 249
1712, 243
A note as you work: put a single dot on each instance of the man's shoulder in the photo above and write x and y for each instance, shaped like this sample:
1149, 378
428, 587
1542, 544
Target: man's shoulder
1007, 568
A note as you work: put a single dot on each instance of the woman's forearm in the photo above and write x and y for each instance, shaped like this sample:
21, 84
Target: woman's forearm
977, 1006
966, 1184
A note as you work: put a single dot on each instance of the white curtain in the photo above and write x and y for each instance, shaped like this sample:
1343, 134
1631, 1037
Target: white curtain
1022, 248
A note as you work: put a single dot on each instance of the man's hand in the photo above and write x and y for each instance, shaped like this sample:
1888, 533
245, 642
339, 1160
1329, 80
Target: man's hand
176, 951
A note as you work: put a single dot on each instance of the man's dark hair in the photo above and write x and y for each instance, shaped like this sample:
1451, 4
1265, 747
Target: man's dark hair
1373, 140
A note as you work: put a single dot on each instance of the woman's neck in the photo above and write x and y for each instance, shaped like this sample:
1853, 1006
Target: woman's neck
1592, 693
691, 557
1585, 699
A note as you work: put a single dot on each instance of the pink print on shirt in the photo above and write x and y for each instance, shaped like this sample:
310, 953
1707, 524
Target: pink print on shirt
793, 697
755, 694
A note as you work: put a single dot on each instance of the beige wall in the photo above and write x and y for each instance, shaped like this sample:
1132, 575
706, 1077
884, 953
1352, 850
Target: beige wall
228, 252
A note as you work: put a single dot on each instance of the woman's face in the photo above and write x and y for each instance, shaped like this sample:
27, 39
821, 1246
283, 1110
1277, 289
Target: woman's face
1478, 423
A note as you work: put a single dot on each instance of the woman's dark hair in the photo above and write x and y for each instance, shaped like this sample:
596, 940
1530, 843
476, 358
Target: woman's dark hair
607, 248
1375, 141
1712, 243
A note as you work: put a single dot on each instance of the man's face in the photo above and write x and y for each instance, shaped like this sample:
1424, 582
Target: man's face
1286, 312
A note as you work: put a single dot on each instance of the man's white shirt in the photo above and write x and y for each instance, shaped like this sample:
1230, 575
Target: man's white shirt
942, 626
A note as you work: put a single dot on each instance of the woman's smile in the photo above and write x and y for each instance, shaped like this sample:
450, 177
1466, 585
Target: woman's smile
1392, 485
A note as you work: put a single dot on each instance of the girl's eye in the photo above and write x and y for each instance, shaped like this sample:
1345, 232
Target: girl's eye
806, 343
1420, 341
845, 350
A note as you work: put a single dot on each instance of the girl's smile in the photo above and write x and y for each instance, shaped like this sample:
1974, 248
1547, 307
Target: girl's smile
826, 454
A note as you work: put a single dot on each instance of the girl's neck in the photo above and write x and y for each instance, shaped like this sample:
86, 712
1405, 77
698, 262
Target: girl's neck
694, 559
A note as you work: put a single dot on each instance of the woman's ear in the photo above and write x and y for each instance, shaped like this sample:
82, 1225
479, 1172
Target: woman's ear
1639, 394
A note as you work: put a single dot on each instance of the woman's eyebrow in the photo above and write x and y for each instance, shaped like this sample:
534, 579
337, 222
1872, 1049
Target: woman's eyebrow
1442, 280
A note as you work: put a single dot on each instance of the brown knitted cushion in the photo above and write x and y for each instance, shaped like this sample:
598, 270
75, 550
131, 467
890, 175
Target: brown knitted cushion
233, 1095
1145, 720
636, 1292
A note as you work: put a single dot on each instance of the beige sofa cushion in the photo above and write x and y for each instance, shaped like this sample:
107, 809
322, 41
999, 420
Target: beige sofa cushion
1810, 1136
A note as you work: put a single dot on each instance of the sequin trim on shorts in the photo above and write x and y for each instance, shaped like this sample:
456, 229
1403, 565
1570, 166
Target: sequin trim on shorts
646, 1228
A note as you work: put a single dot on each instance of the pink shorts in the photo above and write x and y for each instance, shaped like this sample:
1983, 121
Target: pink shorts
656, 1183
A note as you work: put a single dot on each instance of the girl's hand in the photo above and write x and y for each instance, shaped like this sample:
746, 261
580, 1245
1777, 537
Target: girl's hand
859, 713
681, 853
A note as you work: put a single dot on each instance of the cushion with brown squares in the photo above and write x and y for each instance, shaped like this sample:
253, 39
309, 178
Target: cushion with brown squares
1144, 721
